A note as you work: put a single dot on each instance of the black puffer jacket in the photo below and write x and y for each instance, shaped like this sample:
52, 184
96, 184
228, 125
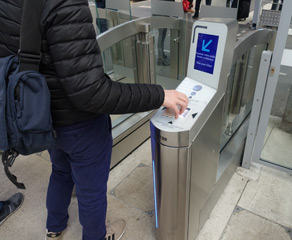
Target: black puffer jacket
72, 63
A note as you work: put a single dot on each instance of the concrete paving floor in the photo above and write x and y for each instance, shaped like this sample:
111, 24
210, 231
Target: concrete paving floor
277, 146
256, 203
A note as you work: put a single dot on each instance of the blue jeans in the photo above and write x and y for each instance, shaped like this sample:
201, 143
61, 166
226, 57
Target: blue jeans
81, 157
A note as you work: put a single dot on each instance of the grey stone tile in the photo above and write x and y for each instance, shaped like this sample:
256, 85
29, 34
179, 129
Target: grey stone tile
140, 155
122, 171
139, 225
270, 196
245, 225
137, 189
253, 173
278, 148
273, 121
74, 229
30, 220
219, 217
144, 153
45, 155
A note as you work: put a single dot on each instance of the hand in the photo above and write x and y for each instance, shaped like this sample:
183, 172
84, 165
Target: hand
176, 101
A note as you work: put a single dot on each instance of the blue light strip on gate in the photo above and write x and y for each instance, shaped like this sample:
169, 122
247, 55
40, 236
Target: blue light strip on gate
154, 188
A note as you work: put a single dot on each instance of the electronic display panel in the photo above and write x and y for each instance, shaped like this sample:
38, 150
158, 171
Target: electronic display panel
206, 52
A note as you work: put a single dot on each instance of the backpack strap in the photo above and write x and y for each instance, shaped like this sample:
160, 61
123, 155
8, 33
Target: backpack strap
8, 158
30, 35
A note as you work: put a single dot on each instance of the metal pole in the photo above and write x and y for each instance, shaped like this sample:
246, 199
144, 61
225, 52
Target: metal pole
256, 13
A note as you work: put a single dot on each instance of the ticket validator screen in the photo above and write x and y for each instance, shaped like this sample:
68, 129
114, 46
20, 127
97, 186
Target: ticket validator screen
206, 52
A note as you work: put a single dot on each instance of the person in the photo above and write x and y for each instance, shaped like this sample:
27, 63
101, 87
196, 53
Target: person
10, 206
82, 96
162, 57
231, 3
187, 6
191, 3
197, 7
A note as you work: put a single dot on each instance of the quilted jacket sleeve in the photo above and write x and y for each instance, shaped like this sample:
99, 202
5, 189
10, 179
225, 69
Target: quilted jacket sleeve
76, 55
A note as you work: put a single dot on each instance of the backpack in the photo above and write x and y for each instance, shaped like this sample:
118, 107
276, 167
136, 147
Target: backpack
25, 115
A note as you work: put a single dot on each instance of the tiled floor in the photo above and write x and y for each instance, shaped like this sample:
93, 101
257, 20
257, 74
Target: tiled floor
256, 204
277, 147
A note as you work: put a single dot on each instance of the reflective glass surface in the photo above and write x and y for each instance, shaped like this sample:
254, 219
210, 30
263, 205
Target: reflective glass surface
119, 65
169, 56
110, 13
240, 91
278, 139
136, 59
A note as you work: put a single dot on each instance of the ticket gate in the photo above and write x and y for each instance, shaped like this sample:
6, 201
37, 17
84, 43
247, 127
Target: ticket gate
185, 151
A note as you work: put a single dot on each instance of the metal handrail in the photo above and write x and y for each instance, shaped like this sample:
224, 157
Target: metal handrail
121, 32
130, 28
249, 40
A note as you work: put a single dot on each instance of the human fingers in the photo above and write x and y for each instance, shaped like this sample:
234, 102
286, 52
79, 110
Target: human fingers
176, 101
182, 106
174, 97
182, 101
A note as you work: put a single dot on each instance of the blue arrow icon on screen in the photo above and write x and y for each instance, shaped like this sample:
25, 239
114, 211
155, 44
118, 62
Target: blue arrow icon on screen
204, 46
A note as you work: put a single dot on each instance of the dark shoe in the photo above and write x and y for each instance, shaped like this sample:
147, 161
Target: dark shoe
115, 230
195, 16
10, 206
163, 61
53, 235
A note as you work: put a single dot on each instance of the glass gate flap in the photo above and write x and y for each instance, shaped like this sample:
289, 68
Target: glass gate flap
170, 41
111, 13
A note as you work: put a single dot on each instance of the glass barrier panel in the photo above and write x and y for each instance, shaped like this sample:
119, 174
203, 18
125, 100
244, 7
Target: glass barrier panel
240, 91
121, 5
169, 65
140, 8
278, 139
220, 9
92, 7
171, 8
170, 54
136, 59
119, 65
111, 13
